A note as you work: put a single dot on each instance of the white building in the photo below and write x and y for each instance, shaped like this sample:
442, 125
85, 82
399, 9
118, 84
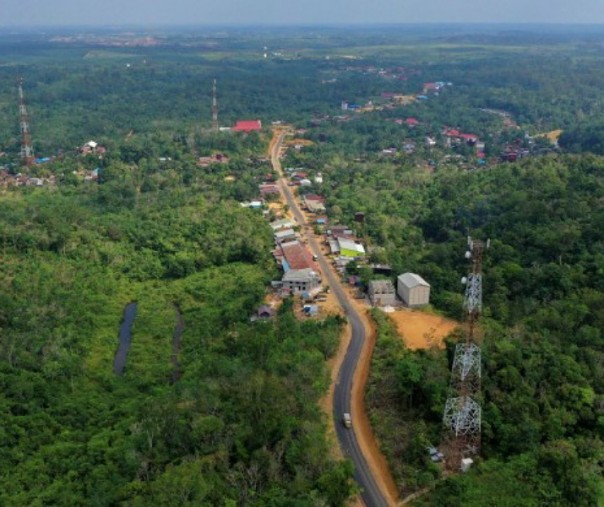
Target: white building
413, 290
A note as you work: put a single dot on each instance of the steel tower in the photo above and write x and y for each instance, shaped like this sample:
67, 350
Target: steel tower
27, 151
214, 108
462, 415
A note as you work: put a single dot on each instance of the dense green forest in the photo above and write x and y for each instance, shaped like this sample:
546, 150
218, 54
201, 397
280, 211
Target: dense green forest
543, 348
241, 425
238, 423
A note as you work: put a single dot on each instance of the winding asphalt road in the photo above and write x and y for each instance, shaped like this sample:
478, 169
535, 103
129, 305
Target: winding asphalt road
370, 491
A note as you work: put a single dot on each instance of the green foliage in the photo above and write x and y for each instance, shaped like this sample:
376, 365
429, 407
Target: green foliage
542, 348
241, 425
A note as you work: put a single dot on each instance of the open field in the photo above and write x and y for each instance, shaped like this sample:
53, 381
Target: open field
421, 330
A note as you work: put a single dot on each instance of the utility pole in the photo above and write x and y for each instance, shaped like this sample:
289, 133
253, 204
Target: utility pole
27, 151
214, 108
462, 416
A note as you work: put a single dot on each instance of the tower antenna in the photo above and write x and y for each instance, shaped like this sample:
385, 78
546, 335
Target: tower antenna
27, 151
462, 416
214, 108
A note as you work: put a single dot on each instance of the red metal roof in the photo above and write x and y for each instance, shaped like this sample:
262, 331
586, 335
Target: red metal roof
247, 125
297, 255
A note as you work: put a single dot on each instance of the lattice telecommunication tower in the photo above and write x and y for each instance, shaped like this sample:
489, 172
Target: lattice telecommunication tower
462, 415
214, 108
27, 151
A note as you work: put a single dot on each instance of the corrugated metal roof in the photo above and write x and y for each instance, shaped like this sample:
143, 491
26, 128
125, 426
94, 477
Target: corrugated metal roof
412, 280
300, 275
346, 244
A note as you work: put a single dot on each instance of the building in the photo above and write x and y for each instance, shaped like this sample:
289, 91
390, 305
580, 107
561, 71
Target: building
294, 255
314, 203
338, 231
247, 126
381, 293
349, 248
298, 281
282, 224
268, 189
92, 148
265, 312
216, 158
284, 235
413, 290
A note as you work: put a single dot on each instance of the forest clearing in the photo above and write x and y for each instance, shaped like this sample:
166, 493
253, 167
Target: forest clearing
421, 330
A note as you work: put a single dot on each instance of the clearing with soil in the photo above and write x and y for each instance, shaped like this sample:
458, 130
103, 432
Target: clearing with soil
421, 330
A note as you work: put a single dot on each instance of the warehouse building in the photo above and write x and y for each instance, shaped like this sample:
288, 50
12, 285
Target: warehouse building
413, 290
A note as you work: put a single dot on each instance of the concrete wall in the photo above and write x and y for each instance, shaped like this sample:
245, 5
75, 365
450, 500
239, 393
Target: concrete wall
416, 296
383, 299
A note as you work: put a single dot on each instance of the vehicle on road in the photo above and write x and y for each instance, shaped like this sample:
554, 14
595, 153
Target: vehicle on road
347, 420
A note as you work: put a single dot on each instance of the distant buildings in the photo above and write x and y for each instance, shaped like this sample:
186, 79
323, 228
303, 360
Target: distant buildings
216, 158
92, 148
247, 126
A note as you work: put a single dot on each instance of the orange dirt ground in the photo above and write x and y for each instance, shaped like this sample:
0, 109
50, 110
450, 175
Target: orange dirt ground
421, 330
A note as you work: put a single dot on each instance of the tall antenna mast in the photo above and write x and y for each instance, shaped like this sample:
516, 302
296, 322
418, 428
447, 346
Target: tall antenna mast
214, 108
27, 151
462, 416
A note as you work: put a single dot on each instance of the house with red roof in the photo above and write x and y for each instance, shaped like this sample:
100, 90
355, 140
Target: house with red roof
470, 139
412, 122
247, 126
294, 255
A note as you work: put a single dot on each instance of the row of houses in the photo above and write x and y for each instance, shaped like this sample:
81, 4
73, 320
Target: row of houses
22, 180
300, 271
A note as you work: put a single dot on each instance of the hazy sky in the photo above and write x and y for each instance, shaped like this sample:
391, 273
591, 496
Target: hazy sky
203, 12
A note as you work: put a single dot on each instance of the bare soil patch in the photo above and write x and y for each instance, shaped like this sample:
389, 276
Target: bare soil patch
421, 330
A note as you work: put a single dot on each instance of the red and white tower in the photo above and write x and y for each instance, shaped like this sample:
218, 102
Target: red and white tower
27, 151
214, 108
462, 416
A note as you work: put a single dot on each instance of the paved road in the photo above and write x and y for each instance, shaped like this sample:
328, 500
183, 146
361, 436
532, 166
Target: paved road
370, 492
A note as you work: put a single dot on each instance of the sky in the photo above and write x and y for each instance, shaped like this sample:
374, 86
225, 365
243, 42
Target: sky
31, 13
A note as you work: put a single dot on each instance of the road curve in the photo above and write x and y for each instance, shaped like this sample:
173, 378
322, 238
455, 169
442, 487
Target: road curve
370, 491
